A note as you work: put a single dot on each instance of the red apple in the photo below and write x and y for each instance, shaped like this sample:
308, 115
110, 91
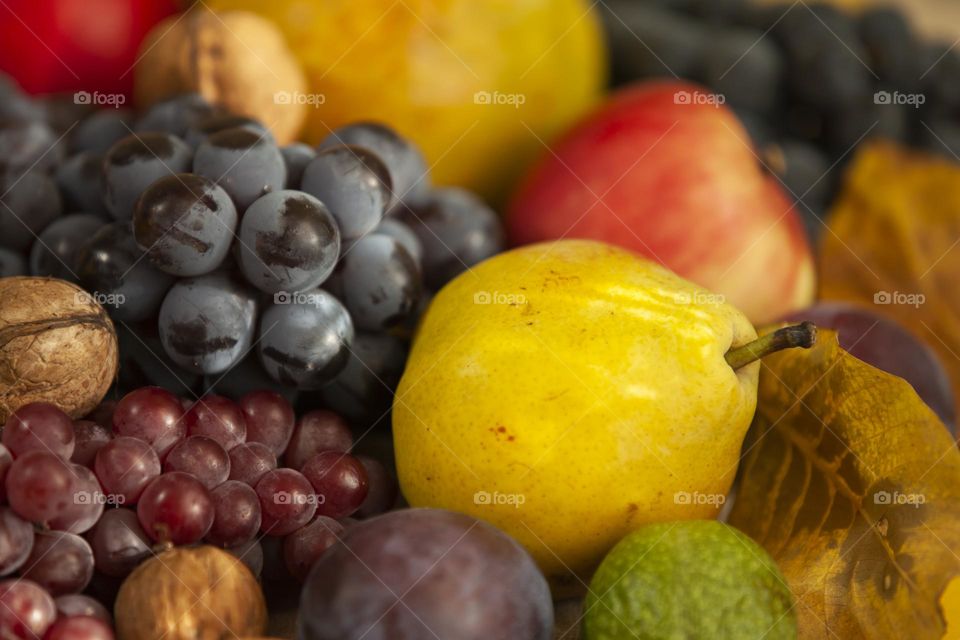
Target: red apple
73, 45
664, 170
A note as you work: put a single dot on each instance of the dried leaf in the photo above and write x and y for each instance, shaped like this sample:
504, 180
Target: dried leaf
893, 243
853, 485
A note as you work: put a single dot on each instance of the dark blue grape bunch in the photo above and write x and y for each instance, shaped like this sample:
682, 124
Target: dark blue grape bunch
227, 260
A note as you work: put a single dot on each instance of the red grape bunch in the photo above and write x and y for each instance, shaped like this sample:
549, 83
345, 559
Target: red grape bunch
84, 502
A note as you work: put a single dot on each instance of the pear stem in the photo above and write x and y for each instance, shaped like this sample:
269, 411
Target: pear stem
797, 335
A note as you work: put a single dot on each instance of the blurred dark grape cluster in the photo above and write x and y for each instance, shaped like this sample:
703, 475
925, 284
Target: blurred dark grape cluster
809, 81
228, 262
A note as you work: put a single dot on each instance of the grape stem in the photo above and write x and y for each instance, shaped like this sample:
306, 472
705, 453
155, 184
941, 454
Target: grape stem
160, 547
802, 335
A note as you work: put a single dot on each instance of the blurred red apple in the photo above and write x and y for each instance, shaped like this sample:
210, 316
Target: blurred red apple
665, 170
69, 45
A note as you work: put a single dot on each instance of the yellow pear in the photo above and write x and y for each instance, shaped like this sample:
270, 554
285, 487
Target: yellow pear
570, 392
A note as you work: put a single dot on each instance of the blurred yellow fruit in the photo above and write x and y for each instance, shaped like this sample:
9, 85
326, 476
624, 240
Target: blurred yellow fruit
479, 85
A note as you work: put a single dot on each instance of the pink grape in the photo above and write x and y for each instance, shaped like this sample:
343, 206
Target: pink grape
383, 489
86, 505
249, 461
287, 501
269, 418
340, 482
317, 431
40, 486
153, 415
16, 541
303, 547
60, 562
218, 418
78, 604
6, 459
125, 466
236, 517
175, 507
39, 426
119, 543
90, 437
201, 457
26, 610
79, 628
102, 414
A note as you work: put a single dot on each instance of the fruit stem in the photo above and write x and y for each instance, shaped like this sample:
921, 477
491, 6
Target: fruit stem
797, 335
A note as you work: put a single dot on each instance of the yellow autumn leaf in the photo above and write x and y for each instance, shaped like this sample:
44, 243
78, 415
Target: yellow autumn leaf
853, 485
893, 243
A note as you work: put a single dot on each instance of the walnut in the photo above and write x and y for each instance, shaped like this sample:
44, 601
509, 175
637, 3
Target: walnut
57, 345
190, 593
234, 59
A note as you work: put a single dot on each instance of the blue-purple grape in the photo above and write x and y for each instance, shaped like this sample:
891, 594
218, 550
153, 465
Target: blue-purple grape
247, 164
115, 271
176, 115
15, 104
355, 186
216, 122
381, 282
404, 235
12, 263
409, 175
28, 203
54, 252
246, 376
80, 178
28, 145
289, 242
185, 223
144, 362
100, 130
363, 391
61, 111
207, 323
296, 157
305, 341
137, 161
457, 230
440, 564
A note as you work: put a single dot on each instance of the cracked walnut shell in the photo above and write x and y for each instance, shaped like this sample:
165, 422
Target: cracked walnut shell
57, 345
